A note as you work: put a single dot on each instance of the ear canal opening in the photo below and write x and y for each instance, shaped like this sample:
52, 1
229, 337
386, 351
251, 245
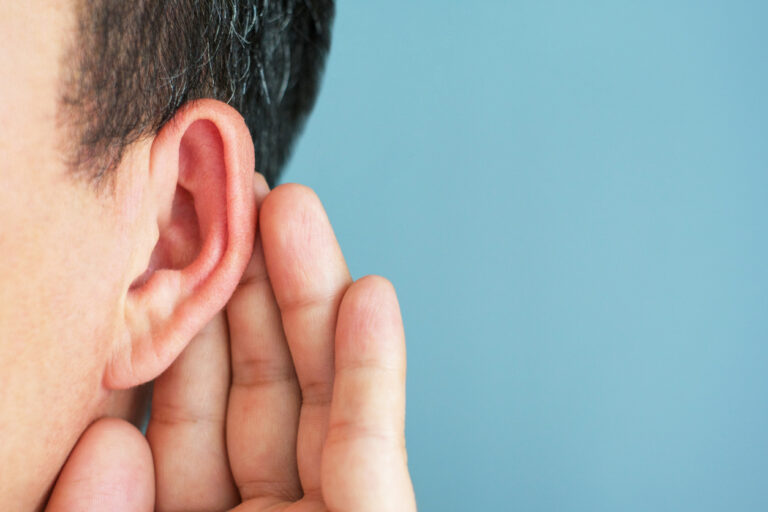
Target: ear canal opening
179, 243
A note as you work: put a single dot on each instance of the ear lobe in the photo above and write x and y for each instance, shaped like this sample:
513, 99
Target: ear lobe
201, 175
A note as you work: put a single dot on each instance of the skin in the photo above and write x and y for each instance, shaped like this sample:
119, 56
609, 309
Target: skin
279, 381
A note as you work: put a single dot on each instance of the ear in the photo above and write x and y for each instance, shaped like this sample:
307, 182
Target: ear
201, 218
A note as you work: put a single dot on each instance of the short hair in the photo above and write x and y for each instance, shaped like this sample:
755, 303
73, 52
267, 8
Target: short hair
135, 63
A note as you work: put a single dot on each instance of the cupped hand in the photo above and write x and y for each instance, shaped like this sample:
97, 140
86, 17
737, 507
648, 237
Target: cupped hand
292, 399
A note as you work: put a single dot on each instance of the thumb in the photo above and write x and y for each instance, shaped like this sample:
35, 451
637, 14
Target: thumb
110, 468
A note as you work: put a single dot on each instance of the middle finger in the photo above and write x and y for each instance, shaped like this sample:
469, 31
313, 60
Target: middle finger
309, 276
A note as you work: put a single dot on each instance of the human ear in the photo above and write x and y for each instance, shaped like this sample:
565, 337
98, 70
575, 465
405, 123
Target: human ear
201, 216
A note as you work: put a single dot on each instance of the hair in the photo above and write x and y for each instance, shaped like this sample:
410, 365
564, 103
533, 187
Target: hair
135, 63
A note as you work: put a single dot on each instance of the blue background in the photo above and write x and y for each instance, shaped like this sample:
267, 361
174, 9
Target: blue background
572, 201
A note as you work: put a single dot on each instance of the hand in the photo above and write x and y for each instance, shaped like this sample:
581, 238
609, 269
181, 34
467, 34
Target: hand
293, 399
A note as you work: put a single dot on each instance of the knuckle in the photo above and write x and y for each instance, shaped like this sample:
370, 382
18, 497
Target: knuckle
316, 393
341, 432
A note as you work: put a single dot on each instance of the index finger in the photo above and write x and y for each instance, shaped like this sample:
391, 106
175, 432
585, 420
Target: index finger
263, 414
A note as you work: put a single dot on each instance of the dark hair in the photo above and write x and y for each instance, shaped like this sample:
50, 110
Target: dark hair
135, 63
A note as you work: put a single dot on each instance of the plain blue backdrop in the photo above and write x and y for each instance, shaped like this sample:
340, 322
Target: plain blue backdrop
572, 201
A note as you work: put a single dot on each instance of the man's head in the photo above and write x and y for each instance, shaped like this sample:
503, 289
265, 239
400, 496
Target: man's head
126, 206
136, 63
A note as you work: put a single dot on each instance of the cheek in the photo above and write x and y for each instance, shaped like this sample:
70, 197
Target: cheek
61, 293
60, 304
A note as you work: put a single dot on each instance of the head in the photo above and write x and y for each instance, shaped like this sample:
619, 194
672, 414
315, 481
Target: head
129, 137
